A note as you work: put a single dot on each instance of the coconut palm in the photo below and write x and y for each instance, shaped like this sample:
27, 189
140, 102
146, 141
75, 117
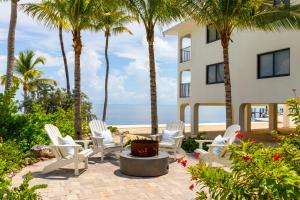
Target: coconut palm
50, 19
111, 20
26, 74
153, 13
11, 43
76, 16
228, 15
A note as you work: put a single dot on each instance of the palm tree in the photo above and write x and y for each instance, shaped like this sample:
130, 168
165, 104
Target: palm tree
26, 73
153, 13
225, 16
11, 43
37, 10
74, 15
111, 20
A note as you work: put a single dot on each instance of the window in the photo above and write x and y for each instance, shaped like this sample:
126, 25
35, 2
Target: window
211, 34
215, 73
274, 64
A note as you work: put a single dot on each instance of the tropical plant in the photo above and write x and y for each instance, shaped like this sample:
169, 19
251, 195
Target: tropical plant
111, 20
226, 16
47, 12
11, 43
27, 74
154, 13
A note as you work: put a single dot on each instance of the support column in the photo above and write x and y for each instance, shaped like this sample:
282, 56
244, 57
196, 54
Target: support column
286, 117
194, 119
273, 116
181, 112
248, 115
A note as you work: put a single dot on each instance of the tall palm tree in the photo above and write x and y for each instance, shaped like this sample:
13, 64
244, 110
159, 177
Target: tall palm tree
76, 16
153, 13
228, 15
26, 74
11, 43
50, 19
111, 20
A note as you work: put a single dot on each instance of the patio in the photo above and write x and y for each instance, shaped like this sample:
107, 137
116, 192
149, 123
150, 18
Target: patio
103, 180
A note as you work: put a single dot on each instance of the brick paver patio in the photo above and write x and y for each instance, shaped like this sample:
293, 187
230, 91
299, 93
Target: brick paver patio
103, 180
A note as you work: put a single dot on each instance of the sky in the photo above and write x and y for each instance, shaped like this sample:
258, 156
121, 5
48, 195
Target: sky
129, 69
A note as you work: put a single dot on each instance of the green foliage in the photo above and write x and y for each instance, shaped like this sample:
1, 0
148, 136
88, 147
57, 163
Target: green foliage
23, 192
190, 145
294, 109
113, 129
257, 171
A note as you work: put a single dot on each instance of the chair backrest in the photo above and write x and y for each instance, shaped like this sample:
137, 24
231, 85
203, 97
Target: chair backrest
176, 125
97, 125
53, 133
231, 132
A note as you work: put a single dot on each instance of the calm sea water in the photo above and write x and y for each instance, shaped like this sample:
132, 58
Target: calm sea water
121, 114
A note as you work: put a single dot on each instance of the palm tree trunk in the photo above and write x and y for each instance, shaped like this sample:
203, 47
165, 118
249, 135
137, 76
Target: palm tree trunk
227, 82
106, 79
65, 60
154, 121
25, 93
11, 43
77, 45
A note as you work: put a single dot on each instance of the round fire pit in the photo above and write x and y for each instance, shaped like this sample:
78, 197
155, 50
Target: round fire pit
144, 166
144, 148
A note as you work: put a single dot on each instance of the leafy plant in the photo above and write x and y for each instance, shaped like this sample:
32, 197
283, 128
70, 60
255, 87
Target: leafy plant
190, 145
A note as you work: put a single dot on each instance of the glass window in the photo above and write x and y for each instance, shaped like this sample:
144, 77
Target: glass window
274, 64
215, 73
212, 74
212, 34
282, 63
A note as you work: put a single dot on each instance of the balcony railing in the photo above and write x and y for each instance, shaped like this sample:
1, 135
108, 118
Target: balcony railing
185, 54
184, 90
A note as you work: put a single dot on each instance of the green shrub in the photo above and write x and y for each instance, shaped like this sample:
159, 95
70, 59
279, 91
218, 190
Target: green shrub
190, 145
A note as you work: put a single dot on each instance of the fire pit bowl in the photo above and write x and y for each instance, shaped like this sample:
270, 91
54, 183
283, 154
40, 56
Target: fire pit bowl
144, 148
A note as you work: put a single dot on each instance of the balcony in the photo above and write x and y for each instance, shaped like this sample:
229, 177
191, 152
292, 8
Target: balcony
185, 54
184, 90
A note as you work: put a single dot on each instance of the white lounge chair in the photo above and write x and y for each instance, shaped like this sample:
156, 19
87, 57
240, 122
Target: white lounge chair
59, 150
173, 145
218, 156
103, 143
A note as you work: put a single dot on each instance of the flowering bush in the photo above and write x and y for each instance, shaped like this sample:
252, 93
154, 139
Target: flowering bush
257, 171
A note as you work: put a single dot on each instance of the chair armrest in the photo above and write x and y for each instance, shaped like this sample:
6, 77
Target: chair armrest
200, 142
155, 137
179, 137
97, 141
85, 143
217, 145
67, 145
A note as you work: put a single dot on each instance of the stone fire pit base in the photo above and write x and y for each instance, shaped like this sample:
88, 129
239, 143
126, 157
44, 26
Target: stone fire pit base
144, 166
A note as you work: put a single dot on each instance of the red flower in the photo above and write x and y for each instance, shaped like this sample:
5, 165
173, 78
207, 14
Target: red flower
239, 134
253, 140
191, 187
183, 163
276, 156
197, 155
246, 157
179, 159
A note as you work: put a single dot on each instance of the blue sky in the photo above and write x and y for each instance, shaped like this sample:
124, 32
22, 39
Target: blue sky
129, 78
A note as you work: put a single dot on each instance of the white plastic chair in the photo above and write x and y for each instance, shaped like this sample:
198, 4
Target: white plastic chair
58, 149
209, 156
98, 145
172, 147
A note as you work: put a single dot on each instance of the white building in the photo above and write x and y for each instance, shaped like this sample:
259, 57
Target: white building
264, 68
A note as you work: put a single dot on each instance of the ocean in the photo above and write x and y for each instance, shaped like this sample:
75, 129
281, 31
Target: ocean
128, 114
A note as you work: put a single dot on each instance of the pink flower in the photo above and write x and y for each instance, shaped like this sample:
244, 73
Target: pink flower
197, 155
276, 156
191, 187
253, 140
246, 157
183, 163
239, 134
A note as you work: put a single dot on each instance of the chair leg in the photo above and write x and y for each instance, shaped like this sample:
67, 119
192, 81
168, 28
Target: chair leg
76, 170
86, 163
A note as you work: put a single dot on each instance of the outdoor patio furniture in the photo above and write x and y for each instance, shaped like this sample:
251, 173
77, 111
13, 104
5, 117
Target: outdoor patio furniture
62, 152
216, 152
171, 138
103, 139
